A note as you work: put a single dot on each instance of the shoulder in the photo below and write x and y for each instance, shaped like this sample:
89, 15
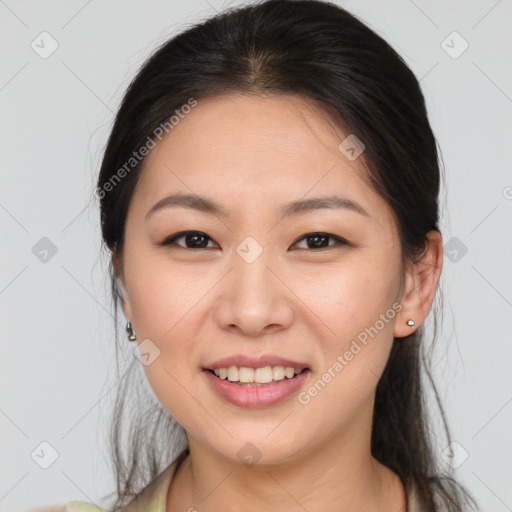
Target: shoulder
152, 498
71, 506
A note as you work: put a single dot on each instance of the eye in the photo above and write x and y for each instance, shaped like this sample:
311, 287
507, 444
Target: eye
193, 240
317, 240
199, 240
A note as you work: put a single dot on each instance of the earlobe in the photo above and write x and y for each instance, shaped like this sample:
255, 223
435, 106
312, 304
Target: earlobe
421, 280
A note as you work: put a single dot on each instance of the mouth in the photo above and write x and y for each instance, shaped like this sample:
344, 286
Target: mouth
230, 384
257, 377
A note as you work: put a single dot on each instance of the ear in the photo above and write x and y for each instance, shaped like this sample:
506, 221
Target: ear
125, 304
421, 280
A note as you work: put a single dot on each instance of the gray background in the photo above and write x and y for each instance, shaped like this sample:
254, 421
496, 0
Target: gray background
57, 359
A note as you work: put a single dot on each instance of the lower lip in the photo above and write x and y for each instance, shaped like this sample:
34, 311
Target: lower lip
256, 396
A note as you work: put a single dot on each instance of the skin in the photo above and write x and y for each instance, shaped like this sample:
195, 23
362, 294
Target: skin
252, 154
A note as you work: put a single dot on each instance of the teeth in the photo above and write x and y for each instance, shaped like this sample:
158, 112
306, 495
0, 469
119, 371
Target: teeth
246, 374
233, 374
289, 372
263, 375
278, 372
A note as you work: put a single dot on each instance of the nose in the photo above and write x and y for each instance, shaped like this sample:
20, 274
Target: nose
254, 299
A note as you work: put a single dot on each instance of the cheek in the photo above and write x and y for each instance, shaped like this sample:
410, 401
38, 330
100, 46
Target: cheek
352, 365
167, 310
162, 295
349, 300
356, 306
166, 315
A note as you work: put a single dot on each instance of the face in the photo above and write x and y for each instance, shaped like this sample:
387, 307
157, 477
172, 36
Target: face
318, 287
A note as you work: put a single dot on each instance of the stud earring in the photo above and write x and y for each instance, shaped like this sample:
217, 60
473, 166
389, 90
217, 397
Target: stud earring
410, 323
129, 330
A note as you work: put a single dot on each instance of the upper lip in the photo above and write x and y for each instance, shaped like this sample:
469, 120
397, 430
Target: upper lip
254, 362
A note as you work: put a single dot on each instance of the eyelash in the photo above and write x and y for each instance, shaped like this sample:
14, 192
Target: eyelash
172, 240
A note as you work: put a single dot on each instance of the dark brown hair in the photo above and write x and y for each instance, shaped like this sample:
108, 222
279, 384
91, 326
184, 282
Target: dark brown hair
320, 51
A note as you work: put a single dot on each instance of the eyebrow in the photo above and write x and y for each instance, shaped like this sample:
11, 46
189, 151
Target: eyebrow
301, 206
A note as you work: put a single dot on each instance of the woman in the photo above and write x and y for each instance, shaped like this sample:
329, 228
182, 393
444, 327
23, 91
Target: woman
269, 198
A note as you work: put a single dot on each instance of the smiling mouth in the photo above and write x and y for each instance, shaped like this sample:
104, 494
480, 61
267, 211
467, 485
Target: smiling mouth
258, 384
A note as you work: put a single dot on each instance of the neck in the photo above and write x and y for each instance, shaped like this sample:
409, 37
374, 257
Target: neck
339, 475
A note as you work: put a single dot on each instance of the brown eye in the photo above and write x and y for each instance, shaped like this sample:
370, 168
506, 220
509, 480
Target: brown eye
321, 240
193, 240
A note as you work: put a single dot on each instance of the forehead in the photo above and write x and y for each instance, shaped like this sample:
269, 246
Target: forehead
263, 126
248, 149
